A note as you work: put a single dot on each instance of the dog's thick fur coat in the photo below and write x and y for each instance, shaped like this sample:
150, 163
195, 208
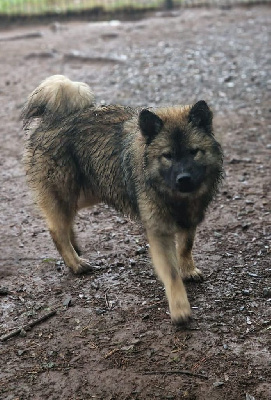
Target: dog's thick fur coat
161, 166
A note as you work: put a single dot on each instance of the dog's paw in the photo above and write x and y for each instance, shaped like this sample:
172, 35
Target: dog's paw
194, 276
81, 267
180, 313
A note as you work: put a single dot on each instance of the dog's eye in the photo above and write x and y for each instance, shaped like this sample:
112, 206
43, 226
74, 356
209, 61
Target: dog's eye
167, 156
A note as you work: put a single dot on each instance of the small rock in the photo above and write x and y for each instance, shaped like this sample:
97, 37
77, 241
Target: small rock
95, 286
218, 384
249, 321
59, 265
141, 250
245, 226
253, 275
228, 78
267, 292
249, 397
230, 84
114, 22
100, 311
127, 348
67, 302
23, 332
217, 234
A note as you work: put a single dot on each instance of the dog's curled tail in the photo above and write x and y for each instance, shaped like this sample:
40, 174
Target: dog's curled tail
57, 97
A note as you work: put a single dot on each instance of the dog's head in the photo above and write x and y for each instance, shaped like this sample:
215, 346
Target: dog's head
182, 156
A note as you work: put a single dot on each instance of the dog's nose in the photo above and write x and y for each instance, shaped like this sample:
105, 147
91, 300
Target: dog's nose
184, 178
184, 182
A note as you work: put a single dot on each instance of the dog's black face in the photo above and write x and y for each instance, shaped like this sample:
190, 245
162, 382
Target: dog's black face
182, 157
181, 172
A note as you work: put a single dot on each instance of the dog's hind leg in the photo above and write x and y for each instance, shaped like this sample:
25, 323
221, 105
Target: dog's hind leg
59, 216
74, 242
184, 245
164, 257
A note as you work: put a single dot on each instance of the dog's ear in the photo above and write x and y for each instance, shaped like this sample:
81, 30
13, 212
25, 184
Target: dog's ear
201, 116
150, 124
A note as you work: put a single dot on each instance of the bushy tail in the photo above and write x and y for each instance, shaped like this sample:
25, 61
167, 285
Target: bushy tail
55, 98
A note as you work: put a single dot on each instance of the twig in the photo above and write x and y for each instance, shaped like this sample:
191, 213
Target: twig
30, 35
27, 326
111, 352
178, 372
197, 365
106, 300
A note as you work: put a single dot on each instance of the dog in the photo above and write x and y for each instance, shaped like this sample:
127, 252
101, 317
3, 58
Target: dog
162, 166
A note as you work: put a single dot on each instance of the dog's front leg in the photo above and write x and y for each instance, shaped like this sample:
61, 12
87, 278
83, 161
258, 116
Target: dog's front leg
184, 245
164, 257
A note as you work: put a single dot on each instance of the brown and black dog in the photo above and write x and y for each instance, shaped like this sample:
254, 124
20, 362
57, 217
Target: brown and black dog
162, 166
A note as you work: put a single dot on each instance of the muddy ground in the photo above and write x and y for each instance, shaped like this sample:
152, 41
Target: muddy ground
111, 337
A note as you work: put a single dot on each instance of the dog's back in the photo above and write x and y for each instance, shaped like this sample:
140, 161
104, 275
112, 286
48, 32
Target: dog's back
78, 150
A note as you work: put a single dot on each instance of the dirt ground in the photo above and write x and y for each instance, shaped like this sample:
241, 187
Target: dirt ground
111, 337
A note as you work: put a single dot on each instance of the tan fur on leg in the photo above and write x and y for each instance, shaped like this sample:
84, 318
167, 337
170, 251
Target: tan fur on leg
59, 217
184, 245
163, 253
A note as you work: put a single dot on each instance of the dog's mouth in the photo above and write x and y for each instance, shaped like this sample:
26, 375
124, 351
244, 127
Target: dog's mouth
186, 188
185, 184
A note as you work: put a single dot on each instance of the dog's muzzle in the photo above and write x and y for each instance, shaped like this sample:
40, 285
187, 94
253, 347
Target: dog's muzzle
184, 182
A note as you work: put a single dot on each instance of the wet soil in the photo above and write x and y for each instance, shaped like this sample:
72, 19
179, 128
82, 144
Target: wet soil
111, 337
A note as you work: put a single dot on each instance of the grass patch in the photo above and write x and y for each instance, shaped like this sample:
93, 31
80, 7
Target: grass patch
39, 7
